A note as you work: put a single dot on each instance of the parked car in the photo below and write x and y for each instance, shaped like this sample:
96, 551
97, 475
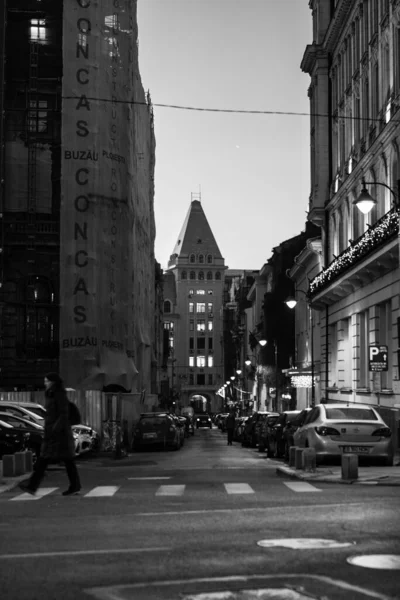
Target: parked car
276, 440
250, 432
33, 432
33, 407
86, 439
158, 429
203, 420
335, 429
12, 440
292, 426
20, 410
264, 431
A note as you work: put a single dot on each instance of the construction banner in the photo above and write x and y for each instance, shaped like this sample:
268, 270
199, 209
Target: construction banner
96, 254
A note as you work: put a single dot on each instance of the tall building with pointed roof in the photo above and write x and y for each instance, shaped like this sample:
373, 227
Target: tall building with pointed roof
193, 301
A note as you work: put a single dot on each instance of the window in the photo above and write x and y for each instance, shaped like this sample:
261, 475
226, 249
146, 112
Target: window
200, 292
344, 354
201, 259
363, 342
192, 275
191, 343
38, 30
210, 292
210, 343
333, 348
201, 343
201, 307
210, 379
201, 325
201, 379
209, 259
191, 307
191, 379
201, 275
184, 275
209, 276
385, 332
191, 292
209, 307
168, 325
191, 325
192, 258
191, 361
210, 361
167, 306
210, 325
200, 361
218, 276
37, 116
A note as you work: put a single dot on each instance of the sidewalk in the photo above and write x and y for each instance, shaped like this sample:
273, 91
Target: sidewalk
367, 475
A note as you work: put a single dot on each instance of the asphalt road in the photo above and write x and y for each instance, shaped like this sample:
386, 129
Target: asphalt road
209, 522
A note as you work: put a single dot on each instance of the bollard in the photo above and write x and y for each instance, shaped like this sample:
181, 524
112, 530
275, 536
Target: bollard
349, 466
309, 459
8, 465
292, 456
298, 460
19, 463
28, 461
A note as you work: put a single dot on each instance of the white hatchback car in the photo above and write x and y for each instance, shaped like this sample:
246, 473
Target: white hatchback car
335, 429
85, 439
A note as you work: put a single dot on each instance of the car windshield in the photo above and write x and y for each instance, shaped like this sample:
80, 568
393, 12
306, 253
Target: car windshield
351, 414
292, 417
148, 422
40, 412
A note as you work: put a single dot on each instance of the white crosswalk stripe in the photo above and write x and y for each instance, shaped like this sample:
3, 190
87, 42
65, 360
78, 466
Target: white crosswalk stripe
301, 486
170, 490
41, 492
238, 488
102, 490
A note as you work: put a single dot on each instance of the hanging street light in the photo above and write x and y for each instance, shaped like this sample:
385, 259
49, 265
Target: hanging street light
365, 202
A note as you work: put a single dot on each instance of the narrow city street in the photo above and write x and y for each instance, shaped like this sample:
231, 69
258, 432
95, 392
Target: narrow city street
205, 519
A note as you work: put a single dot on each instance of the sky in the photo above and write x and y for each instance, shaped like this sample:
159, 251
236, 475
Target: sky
253, 170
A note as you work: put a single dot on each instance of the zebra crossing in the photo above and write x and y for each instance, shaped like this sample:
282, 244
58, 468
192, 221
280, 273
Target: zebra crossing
163, 490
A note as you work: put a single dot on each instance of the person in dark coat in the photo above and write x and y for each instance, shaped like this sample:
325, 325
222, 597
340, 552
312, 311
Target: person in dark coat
58, 442
230, 426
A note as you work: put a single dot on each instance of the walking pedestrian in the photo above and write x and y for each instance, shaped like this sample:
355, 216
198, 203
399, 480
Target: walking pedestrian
58, 442
230, 426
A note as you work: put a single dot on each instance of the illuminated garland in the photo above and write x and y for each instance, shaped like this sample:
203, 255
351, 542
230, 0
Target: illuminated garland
384, 229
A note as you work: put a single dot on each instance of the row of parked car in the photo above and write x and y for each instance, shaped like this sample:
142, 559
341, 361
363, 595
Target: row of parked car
22, 426
331, 429
162, 430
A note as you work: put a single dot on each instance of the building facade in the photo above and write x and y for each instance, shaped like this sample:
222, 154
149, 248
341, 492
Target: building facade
354, 65
77, 267
193, 310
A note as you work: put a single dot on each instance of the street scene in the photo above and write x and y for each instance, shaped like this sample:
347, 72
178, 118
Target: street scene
206, 522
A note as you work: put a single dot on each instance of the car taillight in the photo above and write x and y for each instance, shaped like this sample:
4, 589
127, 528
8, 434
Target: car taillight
326, 431
383, 432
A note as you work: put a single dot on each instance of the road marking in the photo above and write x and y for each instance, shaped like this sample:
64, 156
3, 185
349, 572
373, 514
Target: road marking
301, 486
85, 552
376, 561
102, 490
39, 494
170, 490
238, 488
303, 543
146, 478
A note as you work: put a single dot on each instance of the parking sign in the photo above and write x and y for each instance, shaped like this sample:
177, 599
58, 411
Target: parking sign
378, 358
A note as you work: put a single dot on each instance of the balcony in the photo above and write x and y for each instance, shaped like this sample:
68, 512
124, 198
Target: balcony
369, 257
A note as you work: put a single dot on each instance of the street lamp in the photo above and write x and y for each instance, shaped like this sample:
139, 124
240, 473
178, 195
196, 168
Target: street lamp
291, 303
365, 202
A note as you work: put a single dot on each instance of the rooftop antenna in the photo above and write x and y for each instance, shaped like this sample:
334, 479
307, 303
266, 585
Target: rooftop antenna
196, 195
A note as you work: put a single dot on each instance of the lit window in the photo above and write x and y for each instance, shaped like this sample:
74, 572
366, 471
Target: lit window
210, 292
201, 307
38, 29
210, 307
191, 361
201, 292
200, 361
210, 325
201, 325
191, 307
210, 361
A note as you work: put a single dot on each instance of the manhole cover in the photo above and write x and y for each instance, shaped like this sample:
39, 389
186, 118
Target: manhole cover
303, 543
376, 561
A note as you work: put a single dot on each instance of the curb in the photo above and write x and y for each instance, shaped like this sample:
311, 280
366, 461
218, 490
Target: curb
288, 472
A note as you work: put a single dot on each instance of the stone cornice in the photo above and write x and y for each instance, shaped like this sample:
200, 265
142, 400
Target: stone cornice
340, 18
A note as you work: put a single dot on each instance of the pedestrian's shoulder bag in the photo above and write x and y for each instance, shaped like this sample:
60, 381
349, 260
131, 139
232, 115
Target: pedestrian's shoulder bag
74, 415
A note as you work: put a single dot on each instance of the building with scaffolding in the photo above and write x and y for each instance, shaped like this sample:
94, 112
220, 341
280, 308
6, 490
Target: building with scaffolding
77, 266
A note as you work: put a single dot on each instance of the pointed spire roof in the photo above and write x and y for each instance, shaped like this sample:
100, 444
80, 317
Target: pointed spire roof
196, 235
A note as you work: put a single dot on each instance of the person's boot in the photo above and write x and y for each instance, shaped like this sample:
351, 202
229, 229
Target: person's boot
72, 491
25, 487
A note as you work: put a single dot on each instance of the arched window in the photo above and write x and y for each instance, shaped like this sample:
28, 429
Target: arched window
201, 275
217, 275
209, 275
184, 275
209, 259
192, 258
167, 306
201, 259
192, 275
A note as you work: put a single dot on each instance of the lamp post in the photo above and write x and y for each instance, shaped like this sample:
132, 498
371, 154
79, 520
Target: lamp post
291, 303
365, 202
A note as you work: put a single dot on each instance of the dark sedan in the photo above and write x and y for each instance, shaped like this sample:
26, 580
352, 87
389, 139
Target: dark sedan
11, 439
276, 440
33, 432
203, 421
157, 430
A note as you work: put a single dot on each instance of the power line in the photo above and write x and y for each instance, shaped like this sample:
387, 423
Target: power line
229, 110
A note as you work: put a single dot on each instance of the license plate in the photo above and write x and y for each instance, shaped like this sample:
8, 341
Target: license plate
149, 435
358, 449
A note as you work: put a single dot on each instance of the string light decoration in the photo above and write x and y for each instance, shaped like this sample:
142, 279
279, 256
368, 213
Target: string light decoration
301, 381
384, 229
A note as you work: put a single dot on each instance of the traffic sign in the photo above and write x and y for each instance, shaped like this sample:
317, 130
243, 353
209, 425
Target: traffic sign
378, 358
